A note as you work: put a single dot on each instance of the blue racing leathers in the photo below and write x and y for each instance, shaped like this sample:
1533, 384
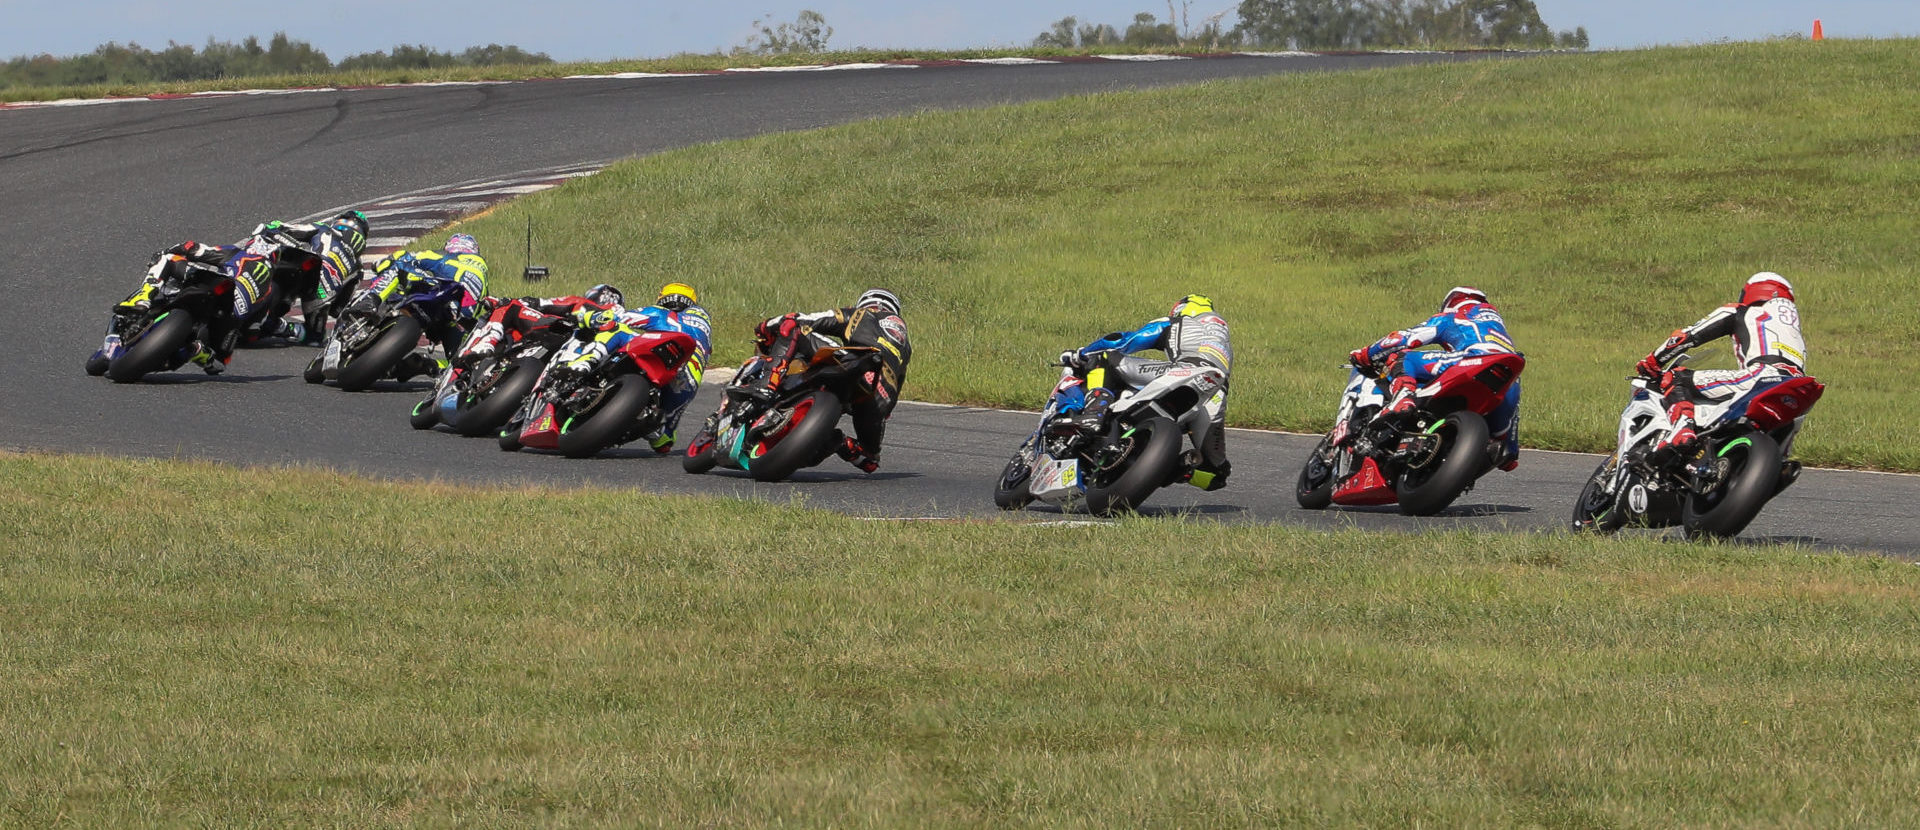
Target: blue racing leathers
1468, 330
622, 325
1198, 339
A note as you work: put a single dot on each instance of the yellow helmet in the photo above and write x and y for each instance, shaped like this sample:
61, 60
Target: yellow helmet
1191, 305
677, 296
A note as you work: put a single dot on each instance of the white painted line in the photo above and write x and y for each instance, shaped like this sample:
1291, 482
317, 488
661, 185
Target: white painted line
629, 76
1278, 54
1069, 523
442, 209
1145, 57
1009, 61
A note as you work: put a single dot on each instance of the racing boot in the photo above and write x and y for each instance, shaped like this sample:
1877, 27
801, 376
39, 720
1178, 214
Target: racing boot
1210, 477
139, 301
205, 359
1400, 396
851, 451
1681, 439
1094, 411
416, 364
661, 441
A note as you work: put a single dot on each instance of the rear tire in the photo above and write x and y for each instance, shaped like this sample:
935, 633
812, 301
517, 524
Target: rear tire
160, 342
487, 415
377, 360
802, 444
1314, 488
607, 423
1753, 481
1465, 437
1152, 463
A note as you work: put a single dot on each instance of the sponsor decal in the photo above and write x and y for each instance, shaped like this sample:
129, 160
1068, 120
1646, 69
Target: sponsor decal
894, 327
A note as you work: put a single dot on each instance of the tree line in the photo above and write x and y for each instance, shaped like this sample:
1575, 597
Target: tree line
114, 63
1329, 24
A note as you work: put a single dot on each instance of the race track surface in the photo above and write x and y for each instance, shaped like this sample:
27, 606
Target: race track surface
91, 192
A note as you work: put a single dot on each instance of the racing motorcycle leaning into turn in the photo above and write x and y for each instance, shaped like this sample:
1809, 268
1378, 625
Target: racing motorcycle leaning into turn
1422, 459
580, 413
1740, 461
371, 336
774, 420
1113, 463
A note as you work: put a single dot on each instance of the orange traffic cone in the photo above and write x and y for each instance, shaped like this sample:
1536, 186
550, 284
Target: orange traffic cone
1816, 31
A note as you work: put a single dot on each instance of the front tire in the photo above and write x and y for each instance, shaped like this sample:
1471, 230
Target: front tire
156, 345
1596, 510
1428, 491
377, 360
1314, 488
1752, 477
1154, 458
502, 400
425, 413
1014, 490
804, 441
587, 434
699, 457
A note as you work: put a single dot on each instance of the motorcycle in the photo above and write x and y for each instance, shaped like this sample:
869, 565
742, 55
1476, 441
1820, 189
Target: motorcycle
775, 420
315, 275
1113, 465
191, 298
1421, 460
371, 336
476, 397
1714, 492
582, 413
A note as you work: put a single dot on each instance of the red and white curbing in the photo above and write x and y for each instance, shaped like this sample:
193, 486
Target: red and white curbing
709, 73
403, 217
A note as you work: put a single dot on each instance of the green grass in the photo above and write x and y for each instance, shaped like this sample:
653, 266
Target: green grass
1604, 200
686, 62
205, 645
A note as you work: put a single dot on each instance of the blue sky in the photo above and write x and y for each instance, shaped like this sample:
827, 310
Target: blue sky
595, 29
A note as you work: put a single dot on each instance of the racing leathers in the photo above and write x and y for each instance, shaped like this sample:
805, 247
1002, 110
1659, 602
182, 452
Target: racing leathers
786, 337
317, 264
402, 272
1767, 343
250, 268
1467, 330
615, 326
1196, 339
518, 319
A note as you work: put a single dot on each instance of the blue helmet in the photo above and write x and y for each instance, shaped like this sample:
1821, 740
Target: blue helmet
461, 243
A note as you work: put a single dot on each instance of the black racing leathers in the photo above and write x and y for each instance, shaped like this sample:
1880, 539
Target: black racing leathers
881, 389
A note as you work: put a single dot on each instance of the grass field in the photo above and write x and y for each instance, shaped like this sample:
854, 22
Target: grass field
1603, 199
212, 646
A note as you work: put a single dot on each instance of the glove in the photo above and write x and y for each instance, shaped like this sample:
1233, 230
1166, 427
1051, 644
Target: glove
1360, 360
1073, 359
1649, 367
776, 329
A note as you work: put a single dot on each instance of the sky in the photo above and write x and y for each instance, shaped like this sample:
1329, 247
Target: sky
572, 30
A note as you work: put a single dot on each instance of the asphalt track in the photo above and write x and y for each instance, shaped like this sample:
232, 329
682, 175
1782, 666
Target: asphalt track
91, 192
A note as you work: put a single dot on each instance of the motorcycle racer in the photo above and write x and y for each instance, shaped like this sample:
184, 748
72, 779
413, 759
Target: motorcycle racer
517, 319
250, 269
396, 275
323, 263
675, 309
1192, 333
1767, 343
873, 320
1467, 325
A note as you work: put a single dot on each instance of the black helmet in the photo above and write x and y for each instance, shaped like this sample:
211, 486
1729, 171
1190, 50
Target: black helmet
352, 227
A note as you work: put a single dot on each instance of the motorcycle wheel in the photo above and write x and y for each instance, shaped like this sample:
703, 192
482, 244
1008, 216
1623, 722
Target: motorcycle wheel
483, 416
815, 417
1752, 475
1596, 510
587, 433
1314, 489
313, 372
699, 457
1428, 490
1152, 462
377, 360
425, 413
510, 437
150, 352
1014, 489
97, 366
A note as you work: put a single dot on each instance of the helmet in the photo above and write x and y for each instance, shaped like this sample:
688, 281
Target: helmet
879, 298
462, 243
677, 296
352, 227
605, 294
1460, 297
1765, 286
1191, 305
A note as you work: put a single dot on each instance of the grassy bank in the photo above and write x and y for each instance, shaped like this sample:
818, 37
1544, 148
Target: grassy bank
511, 72
1603, 199
219, 646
